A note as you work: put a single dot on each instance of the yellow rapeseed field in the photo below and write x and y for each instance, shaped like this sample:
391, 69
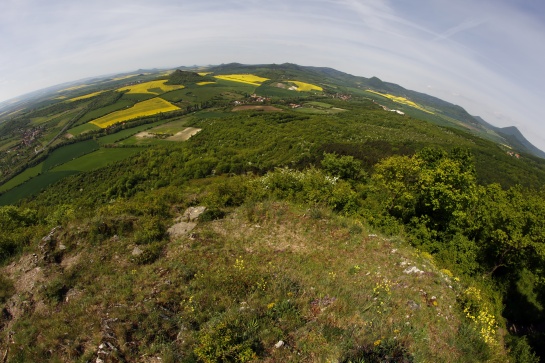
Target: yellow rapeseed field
243, 78
73, 88
144, 108
204, 83
85, 96
302, 86
151, 87
401, 100
123, 77
202, 74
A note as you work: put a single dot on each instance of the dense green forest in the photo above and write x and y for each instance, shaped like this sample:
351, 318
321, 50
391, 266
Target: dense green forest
359, 235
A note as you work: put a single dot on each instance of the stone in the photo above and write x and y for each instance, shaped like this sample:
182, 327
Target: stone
413, 270
280, 344
137, 251
191, 214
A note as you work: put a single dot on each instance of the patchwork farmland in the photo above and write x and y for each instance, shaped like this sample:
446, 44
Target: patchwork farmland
145, 108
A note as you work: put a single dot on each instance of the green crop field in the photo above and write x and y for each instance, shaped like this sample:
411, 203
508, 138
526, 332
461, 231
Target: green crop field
97, 159
171, 127
119, 105
123, 134
269, 90
175, 96
137, 97
33, 186
69, 152
78, 130
21, 178
7, 144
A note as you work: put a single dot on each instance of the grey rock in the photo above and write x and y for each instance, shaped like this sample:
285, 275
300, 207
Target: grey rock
413, 305
137, 251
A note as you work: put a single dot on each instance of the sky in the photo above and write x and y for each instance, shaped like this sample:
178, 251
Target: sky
487, 56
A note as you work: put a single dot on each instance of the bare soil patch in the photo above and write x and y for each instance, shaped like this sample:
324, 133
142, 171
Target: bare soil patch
257, 108
144, 135
185, 134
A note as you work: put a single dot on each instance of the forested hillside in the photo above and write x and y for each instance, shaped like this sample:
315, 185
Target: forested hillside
305, 224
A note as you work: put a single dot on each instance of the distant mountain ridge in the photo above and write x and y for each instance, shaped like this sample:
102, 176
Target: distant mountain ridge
514, 137
440, 112
448, 114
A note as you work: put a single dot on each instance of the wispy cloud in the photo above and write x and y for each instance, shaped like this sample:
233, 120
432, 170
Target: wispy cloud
488, 64
466, 25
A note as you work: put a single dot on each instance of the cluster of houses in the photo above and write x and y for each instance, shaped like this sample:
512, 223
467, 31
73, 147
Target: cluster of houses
29, 135
252, 98
387, 109
342, 96
513, 154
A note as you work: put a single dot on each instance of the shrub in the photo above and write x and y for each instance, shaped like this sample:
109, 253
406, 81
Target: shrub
151, 230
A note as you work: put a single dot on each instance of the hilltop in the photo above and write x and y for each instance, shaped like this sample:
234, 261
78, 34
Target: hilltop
265, 213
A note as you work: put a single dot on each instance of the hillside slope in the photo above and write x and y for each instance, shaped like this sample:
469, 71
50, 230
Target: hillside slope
330, 227
269, 281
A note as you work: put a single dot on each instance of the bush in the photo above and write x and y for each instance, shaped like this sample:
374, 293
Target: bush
150, 253
520, 351
228, 340
6, 289
151, 230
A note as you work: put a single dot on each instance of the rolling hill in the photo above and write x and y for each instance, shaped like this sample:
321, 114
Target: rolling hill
275, 213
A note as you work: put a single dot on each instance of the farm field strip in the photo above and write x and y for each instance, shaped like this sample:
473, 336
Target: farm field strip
69, 152
33, 186
72, 88
170, 127
145, 108
204, 83
306, 87
243, 78
78, 130
97, 159
151, 87
124, 77
124, 134
185, 134
21, 177
86, 96
401, 100
103, 111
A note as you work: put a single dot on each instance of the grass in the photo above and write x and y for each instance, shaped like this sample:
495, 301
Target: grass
81, 129
171, 127
9, 143
141, 109
270, 90
97, 159
243, 78
224, 90
69, 152
319, 108
57, 118
152, 87
306, 87
323, 284
124, 134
